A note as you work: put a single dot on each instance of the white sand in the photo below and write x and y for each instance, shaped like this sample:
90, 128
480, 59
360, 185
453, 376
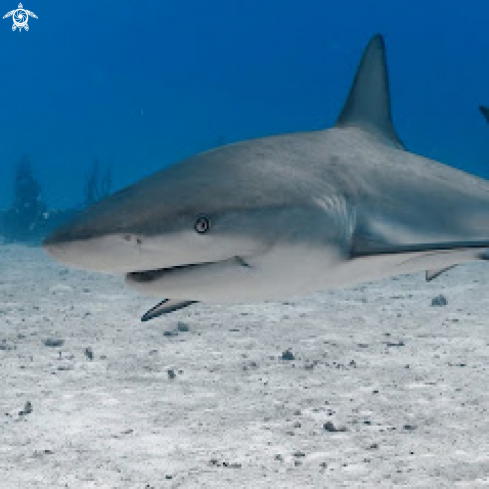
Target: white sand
408, 381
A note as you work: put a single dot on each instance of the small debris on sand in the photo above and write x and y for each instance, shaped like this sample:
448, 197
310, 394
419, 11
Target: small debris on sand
53, 342
40, 453
89, 353
170, 333
182, 327
288, 355
229, 465
439, 301
27, 409
329, 426
171, 373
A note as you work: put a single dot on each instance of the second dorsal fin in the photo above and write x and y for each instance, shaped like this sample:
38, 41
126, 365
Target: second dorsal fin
368, 104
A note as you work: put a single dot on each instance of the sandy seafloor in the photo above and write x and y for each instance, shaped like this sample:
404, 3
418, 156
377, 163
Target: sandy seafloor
407, 381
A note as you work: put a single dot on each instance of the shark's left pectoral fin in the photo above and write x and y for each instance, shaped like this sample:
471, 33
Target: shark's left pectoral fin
432, 274
165, 307
368, 105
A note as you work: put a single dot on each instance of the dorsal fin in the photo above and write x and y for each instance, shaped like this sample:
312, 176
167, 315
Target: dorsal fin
368, 105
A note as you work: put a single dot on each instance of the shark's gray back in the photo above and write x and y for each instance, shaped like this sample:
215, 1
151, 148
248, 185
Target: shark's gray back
402, 198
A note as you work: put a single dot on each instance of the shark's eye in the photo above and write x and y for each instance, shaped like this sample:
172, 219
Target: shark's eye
202, 224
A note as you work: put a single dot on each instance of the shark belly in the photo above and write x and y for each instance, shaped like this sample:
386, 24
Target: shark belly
286, 272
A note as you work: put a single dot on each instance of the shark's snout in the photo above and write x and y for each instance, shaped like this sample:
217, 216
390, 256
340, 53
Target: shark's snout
61, 241
112, 253
68, 252
95, 239
55, 245
53, 248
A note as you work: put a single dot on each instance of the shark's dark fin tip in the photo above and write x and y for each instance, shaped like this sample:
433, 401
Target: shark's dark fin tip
378, 38
368, 105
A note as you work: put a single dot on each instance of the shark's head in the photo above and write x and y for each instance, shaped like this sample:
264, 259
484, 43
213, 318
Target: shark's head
207, 219
189, 213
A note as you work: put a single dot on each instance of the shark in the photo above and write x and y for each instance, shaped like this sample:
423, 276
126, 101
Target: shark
287, 215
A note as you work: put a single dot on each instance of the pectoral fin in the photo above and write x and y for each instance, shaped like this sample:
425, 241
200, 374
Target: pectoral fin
165, 307
432, 274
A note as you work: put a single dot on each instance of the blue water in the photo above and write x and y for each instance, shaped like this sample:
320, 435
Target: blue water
142, 84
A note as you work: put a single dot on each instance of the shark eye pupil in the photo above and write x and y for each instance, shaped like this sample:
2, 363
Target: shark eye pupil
202, 224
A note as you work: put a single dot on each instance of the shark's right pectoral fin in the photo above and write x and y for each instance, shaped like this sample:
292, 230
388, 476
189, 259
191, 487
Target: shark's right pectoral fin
165, 307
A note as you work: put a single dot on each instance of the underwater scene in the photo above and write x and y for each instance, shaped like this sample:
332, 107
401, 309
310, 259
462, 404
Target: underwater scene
243, 244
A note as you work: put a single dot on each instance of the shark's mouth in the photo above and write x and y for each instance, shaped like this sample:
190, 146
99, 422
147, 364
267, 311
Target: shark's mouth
145, 280
146, 276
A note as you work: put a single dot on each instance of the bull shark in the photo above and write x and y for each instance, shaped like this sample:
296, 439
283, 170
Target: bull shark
287, 215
